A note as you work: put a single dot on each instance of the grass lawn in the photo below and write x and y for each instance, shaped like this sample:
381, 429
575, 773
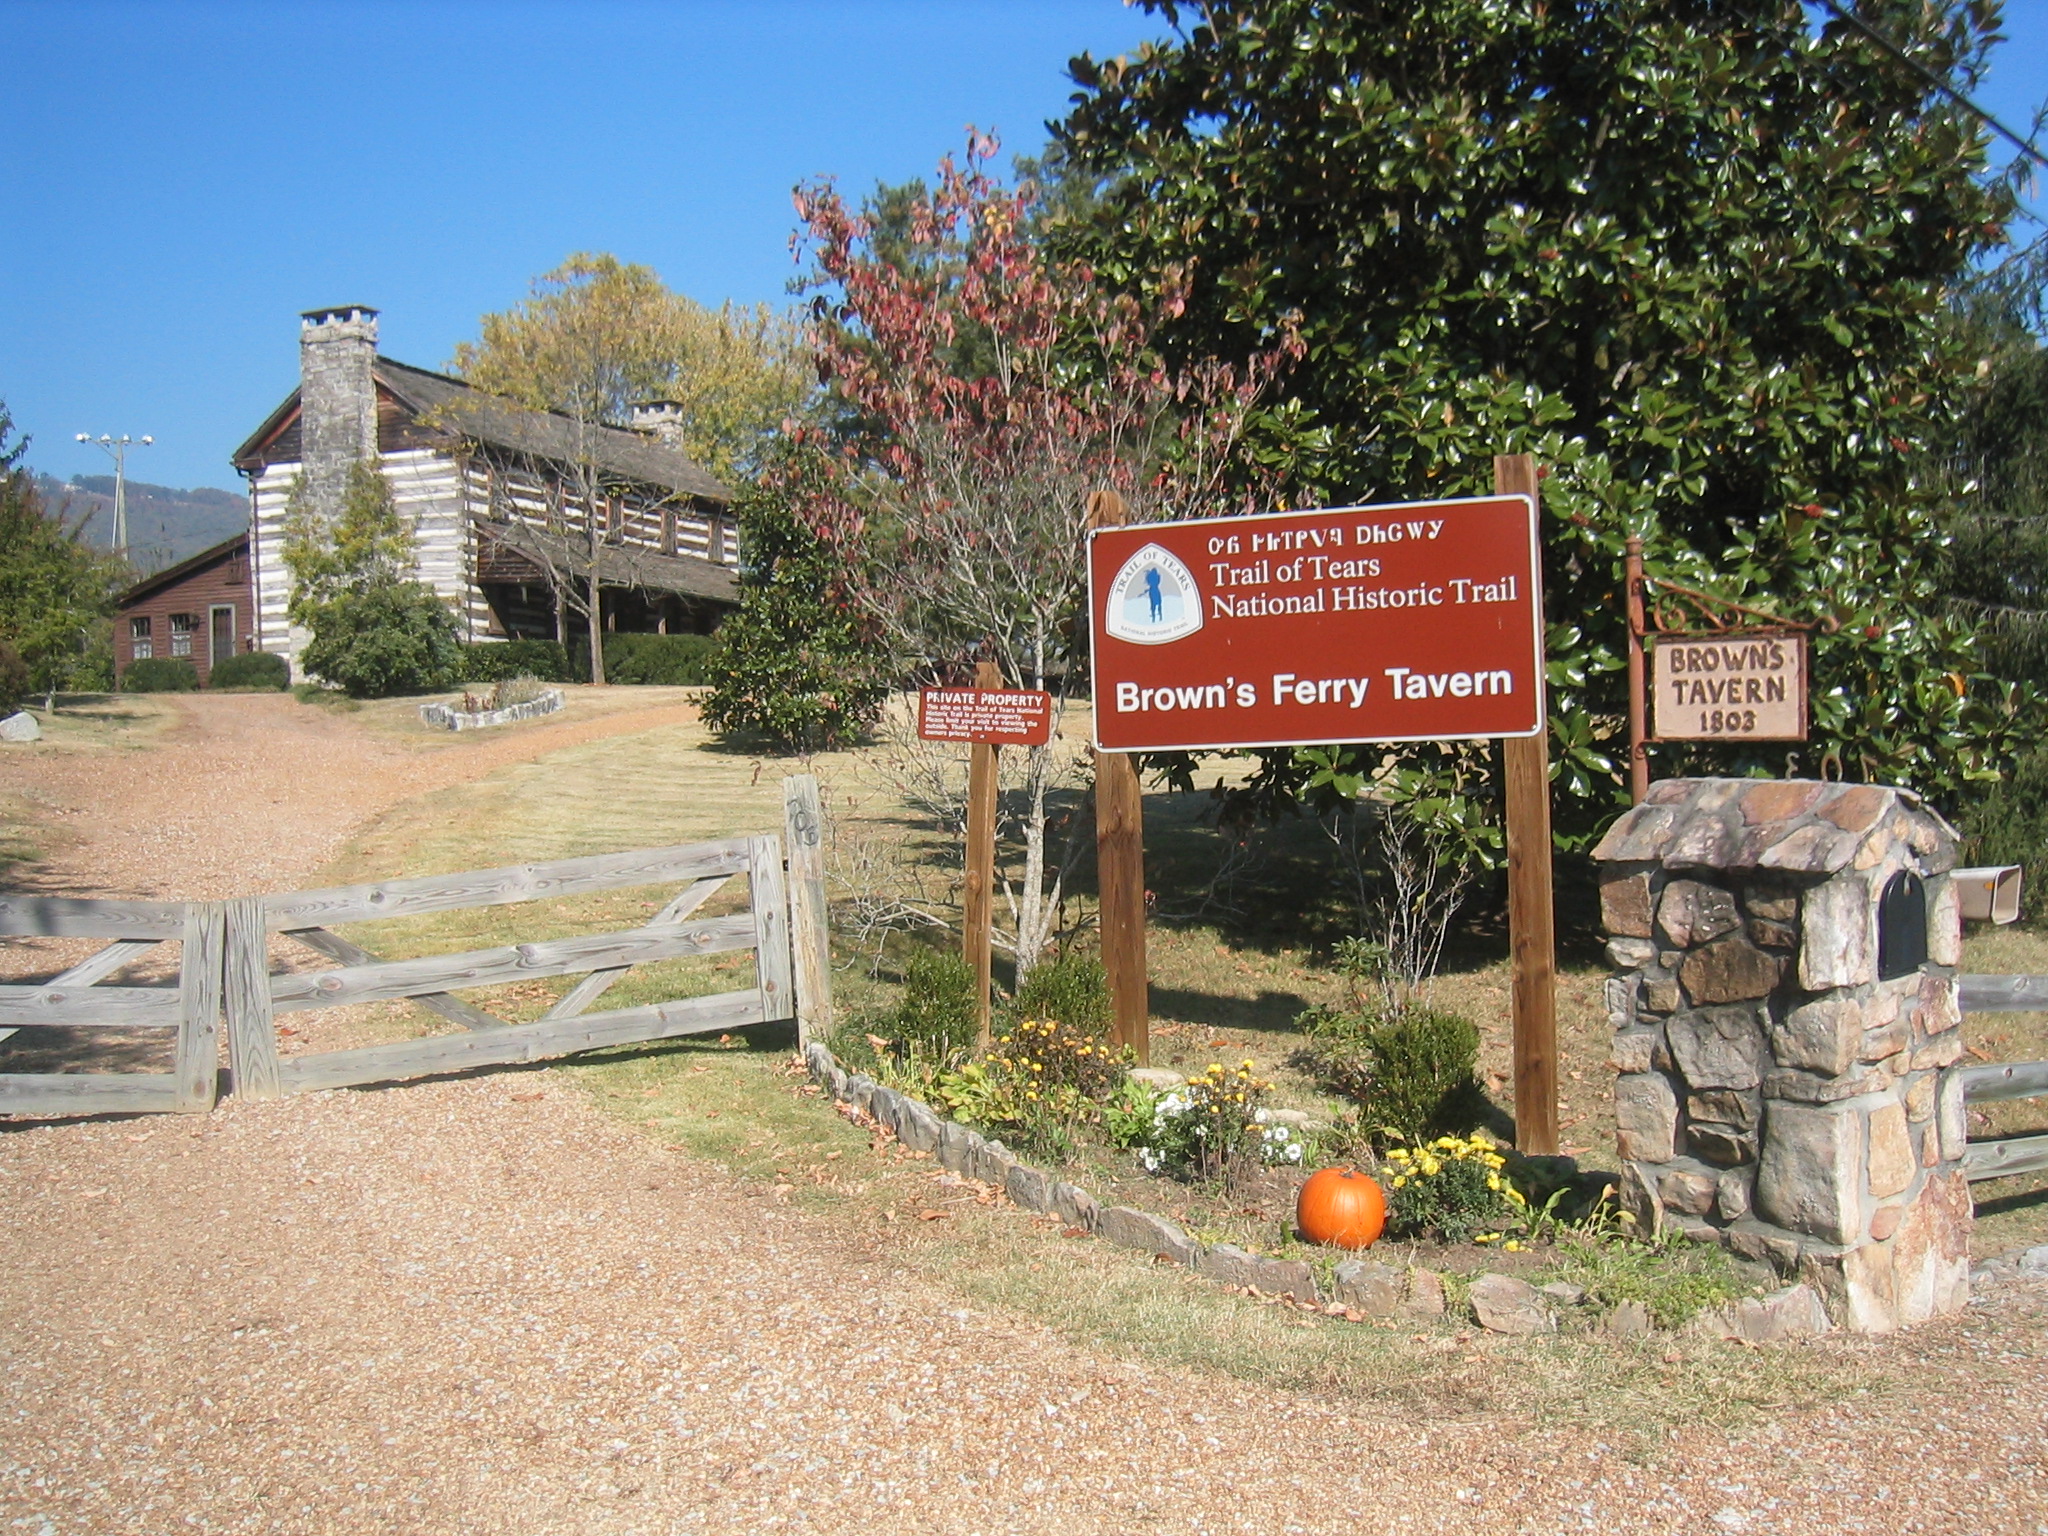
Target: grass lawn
1233, 963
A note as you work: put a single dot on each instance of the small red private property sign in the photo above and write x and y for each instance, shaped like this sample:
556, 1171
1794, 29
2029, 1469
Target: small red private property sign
1421, 622
1003, 717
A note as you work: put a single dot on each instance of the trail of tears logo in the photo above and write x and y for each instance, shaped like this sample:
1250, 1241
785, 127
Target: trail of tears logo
1153, 599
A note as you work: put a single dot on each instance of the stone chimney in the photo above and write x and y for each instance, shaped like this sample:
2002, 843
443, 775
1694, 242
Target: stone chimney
337, 398
662, 420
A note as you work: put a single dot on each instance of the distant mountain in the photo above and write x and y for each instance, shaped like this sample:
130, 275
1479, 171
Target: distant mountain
165, 525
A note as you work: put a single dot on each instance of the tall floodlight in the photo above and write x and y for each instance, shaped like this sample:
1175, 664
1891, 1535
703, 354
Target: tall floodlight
116, 448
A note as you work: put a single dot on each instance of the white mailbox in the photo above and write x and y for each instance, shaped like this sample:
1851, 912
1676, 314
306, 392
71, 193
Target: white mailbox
1990, 893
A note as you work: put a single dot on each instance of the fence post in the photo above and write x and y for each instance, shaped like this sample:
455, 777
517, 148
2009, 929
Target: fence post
252, 1041
771, 927
201, 958
803, 818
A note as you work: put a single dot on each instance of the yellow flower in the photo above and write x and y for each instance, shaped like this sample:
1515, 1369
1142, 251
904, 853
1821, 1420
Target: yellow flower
1493, 1181
1401, 1182
1031, 1093
1512, 1246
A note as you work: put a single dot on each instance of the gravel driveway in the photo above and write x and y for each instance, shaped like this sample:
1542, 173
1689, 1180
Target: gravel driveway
479, 1306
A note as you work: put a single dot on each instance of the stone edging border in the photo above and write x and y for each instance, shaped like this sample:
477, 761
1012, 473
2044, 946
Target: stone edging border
455, 720
1363, 1289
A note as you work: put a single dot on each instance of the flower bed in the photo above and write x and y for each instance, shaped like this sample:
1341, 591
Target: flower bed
1462, 1179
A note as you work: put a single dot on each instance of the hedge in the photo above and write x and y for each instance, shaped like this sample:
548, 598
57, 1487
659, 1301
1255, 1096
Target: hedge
494, 661
253, 670
663, 660
160, 674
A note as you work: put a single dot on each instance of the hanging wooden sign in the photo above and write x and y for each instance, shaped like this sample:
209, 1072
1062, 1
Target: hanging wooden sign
1728, 687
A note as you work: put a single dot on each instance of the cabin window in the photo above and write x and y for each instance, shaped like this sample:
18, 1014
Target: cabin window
139, 643
181, 634
1901, 926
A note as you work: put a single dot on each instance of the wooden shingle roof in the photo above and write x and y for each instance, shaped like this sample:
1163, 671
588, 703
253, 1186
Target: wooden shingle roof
461, 411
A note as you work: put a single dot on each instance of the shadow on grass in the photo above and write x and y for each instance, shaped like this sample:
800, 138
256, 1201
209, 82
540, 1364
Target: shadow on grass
1269, 1013
2003, 1205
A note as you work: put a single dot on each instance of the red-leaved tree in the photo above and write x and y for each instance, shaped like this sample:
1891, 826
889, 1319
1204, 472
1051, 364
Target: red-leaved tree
990, 389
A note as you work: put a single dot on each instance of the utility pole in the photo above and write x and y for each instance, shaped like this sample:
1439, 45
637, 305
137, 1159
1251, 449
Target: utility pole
116, 448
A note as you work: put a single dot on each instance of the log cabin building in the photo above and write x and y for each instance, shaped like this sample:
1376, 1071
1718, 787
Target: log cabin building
201, 610
502, 498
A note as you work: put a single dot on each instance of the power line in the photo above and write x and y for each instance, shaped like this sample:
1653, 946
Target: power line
1939, 82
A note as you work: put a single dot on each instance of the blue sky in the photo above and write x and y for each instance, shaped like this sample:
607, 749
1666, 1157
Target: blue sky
178, 180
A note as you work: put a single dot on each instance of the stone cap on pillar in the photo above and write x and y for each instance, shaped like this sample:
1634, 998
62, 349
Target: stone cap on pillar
1799, 826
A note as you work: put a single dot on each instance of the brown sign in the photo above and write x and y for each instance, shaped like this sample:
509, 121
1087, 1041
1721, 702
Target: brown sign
1728, 688
1421, 622
1003, 717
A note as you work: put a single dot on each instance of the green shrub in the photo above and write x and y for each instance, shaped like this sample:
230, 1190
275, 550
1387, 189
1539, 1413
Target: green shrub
389, 637
94, 672
160, 674
1073, 989
937, 1019
14, 679
493, 661
932, 1029
251, 669
1414, 1075
672, 661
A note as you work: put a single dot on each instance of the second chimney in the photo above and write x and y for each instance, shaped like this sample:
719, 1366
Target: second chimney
337, 398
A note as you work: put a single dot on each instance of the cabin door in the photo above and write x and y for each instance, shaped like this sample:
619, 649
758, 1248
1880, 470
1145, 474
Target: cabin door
222, 640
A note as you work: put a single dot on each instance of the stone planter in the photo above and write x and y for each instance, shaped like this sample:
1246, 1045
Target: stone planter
1783, 1003
450, 718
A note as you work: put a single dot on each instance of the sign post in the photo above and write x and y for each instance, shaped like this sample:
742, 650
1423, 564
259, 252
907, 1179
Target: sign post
1532, 933
979, 897
989, 716
1346, 624
1120, 864
1638, 731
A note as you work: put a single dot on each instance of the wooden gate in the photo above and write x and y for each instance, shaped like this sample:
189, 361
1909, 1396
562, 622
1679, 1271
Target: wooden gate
255, 997
2005, 1155
78, 999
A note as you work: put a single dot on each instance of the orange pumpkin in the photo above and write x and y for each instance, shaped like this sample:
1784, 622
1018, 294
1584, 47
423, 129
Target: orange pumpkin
1341, 1206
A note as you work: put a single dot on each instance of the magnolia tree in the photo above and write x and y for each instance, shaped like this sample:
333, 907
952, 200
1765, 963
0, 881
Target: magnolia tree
989, 391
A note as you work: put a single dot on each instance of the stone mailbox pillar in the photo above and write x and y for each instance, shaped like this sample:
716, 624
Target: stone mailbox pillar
1783, 1003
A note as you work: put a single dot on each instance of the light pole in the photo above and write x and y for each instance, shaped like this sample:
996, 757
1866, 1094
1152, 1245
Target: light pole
116, 448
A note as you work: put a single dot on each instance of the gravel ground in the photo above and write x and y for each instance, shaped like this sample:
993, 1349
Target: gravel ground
479, 1306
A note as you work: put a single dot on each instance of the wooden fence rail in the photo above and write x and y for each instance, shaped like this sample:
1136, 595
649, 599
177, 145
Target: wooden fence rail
225, 973
75, 999
2006, 1155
